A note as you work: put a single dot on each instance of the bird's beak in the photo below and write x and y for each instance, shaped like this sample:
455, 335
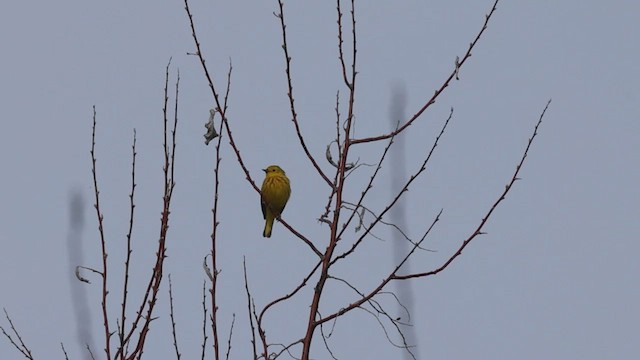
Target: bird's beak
265, 170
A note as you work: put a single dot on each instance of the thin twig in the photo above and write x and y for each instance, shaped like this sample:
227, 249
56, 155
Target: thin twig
326, 343
90, 352
204, 319
233, 321
103, 243
227, 127
66, 356
22, 347
405, 188
294, 114
439, 91
173, 320
478, 230
326, 259
348, 205
214, 233
302, 284
367, 188
382, 284
249, 303
127, 262
153, 287
379, 310
286, 348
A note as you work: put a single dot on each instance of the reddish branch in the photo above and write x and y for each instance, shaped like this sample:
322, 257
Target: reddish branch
249, 303
294, 114
173, 320
404, 189
378, 290
327, 208
326, 260
153, 287
127, 261
204, 320
156, 277
227, 127
214, 231
478, 231
439, 91
335, 234
103, 243
216, 97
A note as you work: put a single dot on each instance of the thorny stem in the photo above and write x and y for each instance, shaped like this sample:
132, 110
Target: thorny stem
127, 261
214, 233
227, 127
478, 231
103, 243
326, 260
437, 93
153, 287
294, 114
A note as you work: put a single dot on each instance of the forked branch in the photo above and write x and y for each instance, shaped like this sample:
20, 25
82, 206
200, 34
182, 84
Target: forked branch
478, 231
294, 114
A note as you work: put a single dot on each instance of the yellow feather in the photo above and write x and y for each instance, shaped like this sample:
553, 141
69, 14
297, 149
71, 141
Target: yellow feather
275, 194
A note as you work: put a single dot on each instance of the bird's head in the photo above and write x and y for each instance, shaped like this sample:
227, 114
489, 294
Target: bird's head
273, 169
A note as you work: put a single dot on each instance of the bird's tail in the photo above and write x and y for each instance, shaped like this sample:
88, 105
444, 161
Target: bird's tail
267, 227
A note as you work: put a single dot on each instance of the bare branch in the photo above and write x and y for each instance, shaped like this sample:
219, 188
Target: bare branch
249, 303
66, 356
294, 114
173, 320
326, 259
364, 209
286, 348
227, 127
439, 91
326, 343
382, 284
394, 276
302, 284
21, 347
90, 352
103, 243
219, 105
204, 320
127, 262
405, 188
214, 233
230, 336
368, 187
478, 230
153, 287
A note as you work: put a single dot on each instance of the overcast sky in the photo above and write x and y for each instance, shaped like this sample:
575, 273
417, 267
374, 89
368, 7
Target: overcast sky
556, 275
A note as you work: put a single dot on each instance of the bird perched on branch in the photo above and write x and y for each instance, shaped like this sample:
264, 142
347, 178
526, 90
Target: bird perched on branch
275, 194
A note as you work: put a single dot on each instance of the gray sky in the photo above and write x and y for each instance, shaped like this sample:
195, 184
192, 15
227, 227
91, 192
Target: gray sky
555, 277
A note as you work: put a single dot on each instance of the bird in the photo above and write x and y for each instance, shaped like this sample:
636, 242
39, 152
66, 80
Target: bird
275, 193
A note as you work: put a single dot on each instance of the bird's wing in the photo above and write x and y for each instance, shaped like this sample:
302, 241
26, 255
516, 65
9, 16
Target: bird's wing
288, 196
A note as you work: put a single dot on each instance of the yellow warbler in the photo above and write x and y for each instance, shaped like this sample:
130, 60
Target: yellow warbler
275, 194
